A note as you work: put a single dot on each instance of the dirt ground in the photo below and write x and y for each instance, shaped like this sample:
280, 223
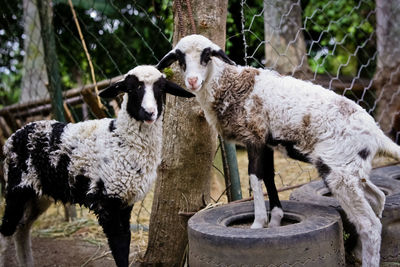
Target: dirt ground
59, 252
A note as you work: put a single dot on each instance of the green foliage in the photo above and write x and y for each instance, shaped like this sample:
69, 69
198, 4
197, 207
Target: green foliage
119, 35
346, 236
253, 32
9, 88
11, 44
123, 34
169, 73
339, 35
344, 30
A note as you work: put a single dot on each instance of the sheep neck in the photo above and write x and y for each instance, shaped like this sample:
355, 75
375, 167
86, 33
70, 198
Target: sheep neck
132, 130
224, 103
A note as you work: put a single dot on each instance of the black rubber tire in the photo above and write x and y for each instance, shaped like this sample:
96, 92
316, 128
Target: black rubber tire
316, 240
388, 180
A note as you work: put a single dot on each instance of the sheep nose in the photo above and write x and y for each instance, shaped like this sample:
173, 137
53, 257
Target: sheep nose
150, 112
192, 81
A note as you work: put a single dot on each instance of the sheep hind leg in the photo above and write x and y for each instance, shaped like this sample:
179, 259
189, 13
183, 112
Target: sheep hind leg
268, 175
15, 207
348, 191
375, 197
22, 237
4, 244
115, 222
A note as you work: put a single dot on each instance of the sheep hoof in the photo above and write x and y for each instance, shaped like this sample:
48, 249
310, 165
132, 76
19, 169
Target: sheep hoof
258, 224
276, 217
273, 224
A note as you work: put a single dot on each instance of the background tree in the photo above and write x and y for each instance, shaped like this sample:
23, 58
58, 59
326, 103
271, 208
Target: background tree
189, 147
340, 36
387, 75
285, 49
34, 77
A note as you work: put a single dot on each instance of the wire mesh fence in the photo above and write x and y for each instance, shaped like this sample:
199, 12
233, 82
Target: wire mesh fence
332, 43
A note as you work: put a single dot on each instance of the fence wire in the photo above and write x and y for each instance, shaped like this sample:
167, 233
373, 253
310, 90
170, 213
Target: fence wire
332, 43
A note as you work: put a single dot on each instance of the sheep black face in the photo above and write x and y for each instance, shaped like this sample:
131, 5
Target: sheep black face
193, 53
145, 87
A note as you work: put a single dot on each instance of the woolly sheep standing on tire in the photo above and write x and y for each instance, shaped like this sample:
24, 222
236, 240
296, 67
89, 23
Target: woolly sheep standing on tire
261, 109
106, 165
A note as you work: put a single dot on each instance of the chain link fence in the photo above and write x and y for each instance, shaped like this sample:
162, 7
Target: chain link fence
332, 43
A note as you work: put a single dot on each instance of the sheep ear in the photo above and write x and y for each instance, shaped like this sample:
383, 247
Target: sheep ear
113, 90
174, 89
221, 55
167, 60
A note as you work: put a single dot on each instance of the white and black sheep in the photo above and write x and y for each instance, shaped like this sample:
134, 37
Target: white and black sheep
106, 165
261, 109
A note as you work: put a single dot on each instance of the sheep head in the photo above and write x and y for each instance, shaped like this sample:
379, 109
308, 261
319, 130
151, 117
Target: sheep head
145, 88
194, 54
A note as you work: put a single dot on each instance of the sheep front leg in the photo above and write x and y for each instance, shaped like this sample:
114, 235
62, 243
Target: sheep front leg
115, 222
22, 237
260, 212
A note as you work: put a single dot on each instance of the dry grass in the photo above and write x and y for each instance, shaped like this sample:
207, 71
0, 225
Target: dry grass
288, 172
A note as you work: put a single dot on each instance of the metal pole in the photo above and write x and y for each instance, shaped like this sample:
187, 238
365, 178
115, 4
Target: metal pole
231, 171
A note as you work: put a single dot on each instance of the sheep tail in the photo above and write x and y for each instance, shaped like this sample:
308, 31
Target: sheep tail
388, 148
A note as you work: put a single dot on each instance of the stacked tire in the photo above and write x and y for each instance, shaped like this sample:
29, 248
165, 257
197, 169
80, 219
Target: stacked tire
388, 180
311, 235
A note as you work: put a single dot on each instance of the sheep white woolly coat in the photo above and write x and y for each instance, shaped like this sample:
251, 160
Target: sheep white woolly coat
249, 105
260, 109
123, 153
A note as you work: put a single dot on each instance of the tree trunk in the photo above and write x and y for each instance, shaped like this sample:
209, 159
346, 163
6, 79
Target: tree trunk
387, 75
34, 78
285, 49
188, 151
45, 11
238, 49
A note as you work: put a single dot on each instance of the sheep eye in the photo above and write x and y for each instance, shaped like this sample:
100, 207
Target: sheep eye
205, 56
181, 59
182, 65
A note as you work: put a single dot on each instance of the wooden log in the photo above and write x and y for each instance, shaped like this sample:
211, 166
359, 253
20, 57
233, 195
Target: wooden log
11, 121
66, 95
68, 114
94, 104
4, 128
45, 109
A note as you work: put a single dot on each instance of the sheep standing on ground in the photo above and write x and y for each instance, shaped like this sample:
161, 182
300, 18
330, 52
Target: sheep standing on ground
106, 165
261, 109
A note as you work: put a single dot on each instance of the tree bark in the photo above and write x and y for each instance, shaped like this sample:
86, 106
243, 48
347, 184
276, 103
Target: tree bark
387, 75
45, 11
188, 151
285, 49
34, 78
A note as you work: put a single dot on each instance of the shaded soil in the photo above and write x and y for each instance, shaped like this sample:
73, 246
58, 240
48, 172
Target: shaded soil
59, 252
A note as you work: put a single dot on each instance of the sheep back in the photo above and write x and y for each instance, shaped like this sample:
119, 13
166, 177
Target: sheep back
70, 161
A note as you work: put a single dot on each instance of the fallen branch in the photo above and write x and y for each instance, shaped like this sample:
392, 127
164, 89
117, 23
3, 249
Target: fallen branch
266, 194
191, 213
71, 93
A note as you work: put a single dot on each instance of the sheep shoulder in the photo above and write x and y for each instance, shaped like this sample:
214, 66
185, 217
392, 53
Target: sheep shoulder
237, 111
125, 160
